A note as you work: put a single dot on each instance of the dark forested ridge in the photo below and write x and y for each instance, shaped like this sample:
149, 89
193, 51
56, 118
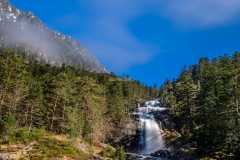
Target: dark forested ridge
63, 99
204, 104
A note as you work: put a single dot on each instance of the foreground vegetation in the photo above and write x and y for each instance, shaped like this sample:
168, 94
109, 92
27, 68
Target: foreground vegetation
63, 100
38, 144
204, 104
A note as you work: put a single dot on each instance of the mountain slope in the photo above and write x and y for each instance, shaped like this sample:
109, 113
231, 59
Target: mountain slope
24, 30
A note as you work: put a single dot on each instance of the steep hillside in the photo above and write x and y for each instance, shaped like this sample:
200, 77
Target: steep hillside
24, 30
204, 103
62, 100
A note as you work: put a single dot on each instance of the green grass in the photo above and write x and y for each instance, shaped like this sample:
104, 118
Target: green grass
26, 136
51, 148
46, 146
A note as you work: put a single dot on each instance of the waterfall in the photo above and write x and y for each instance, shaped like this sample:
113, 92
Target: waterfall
151, 139
150, 136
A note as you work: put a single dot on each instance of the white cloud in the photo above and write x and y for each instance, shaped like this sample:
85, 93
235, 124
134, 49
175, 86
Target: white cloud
116, 46
202, 13
109, 37
119, 58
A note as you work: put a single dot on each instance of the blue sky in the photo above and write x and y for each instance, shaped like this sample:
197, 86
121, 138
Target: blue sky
150, 40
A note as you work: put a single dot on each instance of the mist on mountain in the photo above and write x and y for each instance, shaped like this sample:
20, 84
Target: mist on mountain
24, 30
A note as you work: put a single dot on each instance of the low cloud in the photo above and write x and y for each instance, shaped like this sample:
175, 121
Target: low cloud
23, 33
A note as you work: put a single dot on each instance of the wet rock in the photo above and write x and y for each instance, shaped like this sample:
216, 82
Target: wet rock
162, 154
132, 156
181, 155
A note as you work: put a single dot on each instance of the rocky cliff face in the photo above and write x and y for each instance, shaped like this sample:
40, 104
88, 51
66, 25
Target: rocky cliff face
24, 30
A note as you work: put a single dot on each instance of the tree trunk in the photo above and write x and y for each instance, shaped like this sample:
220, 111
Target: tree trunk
53, 114
31, 117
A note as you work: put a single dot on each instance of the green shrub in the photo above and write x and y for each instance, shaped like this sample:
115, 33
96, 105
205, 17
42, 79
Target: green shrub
50, 148
24, 135
7, 128
120, 154
109, 152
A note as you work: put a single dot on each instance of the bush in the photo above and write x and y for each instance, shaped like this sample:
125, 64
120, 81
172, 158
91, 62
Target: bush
109, 152
7, 128
51, 148
24, 135
120, 154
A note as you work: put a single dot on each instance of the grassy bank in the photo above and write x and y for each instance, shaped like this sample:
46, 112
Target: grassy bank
39, 144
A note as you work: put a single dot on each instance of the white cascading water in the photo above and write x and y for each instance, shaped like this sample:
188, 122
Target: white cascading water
151, 139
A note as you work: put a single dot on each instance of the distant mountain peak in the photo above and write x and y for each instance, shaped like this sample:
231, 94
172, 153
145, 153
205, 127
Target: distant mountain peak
24, 30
